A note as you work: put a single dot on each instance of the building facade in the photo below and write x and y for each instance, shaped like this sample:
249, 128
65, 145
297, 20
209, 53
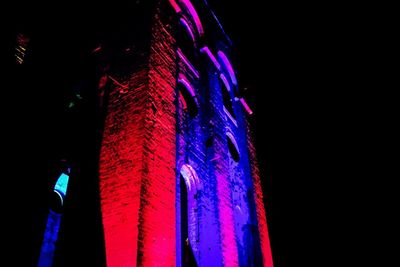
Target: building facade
179, 182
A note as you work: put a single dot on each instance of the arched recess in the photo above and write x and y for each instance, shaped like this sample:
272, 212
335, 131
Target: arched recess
190, 177
233, 147
187, 41
191, 12
189, 228
60, 190
190, 31
227, 96
187, 96
189, 17
228, 66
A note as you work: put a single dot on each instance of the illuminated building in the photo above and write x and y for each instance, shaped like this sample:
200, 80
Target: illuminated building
160, 110
178, 177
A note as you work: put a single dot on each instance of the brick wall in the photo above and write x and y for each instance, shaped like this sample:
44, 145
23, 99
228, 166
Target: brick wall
121, 170
157, 208
148, 137
137, 164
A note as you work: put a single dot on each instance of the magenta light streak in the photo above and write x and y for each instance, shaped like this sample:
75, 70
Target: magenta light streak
186, 25
225, 81
188, 64
246, 107
211, 56
194, 15
230, 116
182, 79
97, 49
228, 66
175, 6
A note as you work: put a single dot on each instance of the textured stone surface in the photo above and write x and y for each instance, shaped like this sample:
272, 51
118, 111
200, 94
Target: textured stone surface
149, 136
121, 168
157, 207
137, 166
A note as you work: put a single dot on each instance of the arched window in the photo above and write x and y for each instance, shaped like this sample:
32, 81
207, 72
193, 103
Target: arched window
190, 29
188, 7
187, 96
233, 147
186, 40
60, 189
189, 184
226, 95
228, 66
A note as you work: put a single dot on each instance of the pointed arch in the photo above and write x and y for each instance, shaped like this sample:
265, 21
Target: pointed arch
187, 96
233, 146
190, 177
228, 66
193, 13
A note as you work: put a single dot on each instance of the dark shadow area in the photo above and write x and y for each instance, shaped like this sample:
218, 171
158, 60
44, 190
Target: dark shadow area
233, 150
188, 259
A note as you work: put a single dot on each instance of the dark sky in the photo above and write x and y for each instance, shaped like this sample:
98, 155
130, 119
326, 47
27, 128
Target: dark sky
289, 56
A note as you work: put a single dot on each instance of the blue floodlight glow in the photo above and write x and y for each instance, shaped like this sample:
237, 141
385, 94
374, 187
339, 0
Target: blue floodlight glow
53, 225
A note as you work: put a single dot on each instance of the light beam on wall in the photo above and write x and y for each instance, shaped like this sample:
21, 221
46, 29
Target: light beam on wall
207, 51
228, 66
53, 225
192, 11
246, 106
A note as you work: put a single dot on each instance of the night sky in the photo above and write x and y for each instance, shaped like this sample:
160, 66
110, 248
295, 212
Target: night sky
283, 49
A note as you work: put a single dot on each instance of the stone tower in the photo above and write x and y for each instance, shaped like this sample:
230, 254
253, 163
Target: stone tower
179, 182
